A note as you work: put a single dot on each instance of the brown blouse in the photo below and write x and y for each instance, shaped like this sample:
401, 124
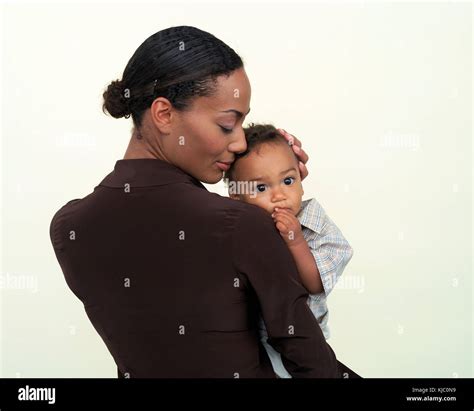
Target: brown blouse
173, 278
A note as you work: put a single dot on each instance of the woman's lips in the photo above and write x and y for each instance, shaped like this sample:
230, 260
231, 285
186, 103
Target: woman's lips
223, 166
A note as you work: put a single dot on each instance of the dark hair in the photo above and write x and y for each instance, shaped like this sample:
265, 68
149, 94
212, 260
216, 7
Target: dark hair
256, 135
178, 63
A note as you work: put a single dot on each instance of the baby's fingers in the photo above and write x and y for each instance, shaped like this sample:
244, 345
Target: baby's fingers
281, 218
282, 228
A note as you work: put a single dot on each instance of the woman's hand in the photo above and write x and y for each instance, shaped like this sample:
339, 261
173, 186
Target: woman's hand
300, 153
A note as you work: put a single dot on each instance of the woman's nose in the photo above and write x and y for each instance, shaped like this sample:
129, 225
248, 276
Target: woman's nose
239, 145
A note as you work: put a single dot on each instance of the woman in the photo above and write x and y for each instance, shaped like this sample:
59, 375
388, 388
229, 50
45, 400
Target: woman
172, 276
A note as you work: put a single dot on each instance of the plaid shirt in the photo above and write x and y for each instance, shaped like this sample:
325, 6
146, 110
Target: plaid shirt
331, 252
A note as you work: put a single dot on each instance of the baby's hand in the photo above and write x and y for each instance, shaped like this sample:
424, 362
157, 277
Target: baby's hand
288, 226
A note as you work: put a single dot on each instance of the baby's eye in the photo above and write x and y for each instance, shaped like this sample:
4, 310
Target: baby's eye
289, 180
261, 188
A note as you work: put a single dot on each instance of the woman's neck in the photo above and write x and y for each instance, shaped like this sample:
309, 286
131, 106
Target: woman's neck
139, 147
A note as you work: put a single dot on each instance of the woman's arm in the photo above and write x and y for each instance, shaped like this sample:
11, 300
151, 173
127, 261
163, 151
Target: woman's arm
262, 256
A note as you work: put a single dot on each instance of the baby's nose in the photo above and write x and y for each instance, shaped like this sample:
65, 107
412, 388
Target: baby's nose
278, 196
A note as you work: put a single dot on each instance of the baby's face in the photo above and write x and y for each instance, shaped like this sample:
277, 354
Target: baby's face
273, 170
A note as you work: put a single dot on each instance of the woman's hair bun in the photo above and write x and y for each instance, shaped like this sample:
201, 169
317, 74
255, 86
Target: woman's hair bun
179, 63
116, 102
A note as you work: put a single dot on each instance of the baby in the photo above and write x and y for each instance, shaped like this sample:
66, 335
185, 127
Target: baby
267, 175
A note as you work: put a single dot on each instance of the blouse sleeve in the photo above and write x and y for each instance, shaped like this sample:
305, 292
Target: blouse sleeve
260, 254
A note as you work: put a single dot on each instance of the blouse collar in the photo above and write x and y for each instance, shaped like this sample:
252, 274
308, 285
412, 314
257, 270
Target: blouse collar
146, 172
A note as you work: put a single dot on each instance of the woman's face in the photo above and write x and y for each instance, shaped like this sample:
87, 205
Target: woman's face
202, 139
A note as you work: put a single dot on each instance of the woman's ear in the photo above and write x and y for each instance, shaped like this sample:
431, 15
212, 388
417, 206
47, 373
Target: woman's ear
161, 112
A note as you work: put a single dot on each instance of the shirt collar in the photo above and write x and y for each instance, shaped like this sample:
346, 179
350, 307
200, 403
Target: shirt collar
146, 172
310, 215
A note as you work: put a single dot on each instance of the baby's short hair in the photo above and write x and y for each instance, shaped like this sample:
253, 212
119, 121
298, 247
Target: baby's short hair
256, 135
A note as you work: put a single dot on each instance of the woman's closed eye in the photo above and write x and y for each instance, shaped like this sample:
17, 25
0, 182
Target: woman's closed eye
226, 130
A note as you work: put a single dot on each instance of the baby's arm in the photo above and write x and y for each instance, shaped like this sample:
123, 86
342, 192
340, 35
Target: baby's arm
329, 247
329, 250
290, 229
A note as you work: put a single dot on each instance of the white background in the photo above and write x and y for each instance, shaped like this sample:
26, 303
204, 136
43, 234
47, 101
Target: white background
379, 93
